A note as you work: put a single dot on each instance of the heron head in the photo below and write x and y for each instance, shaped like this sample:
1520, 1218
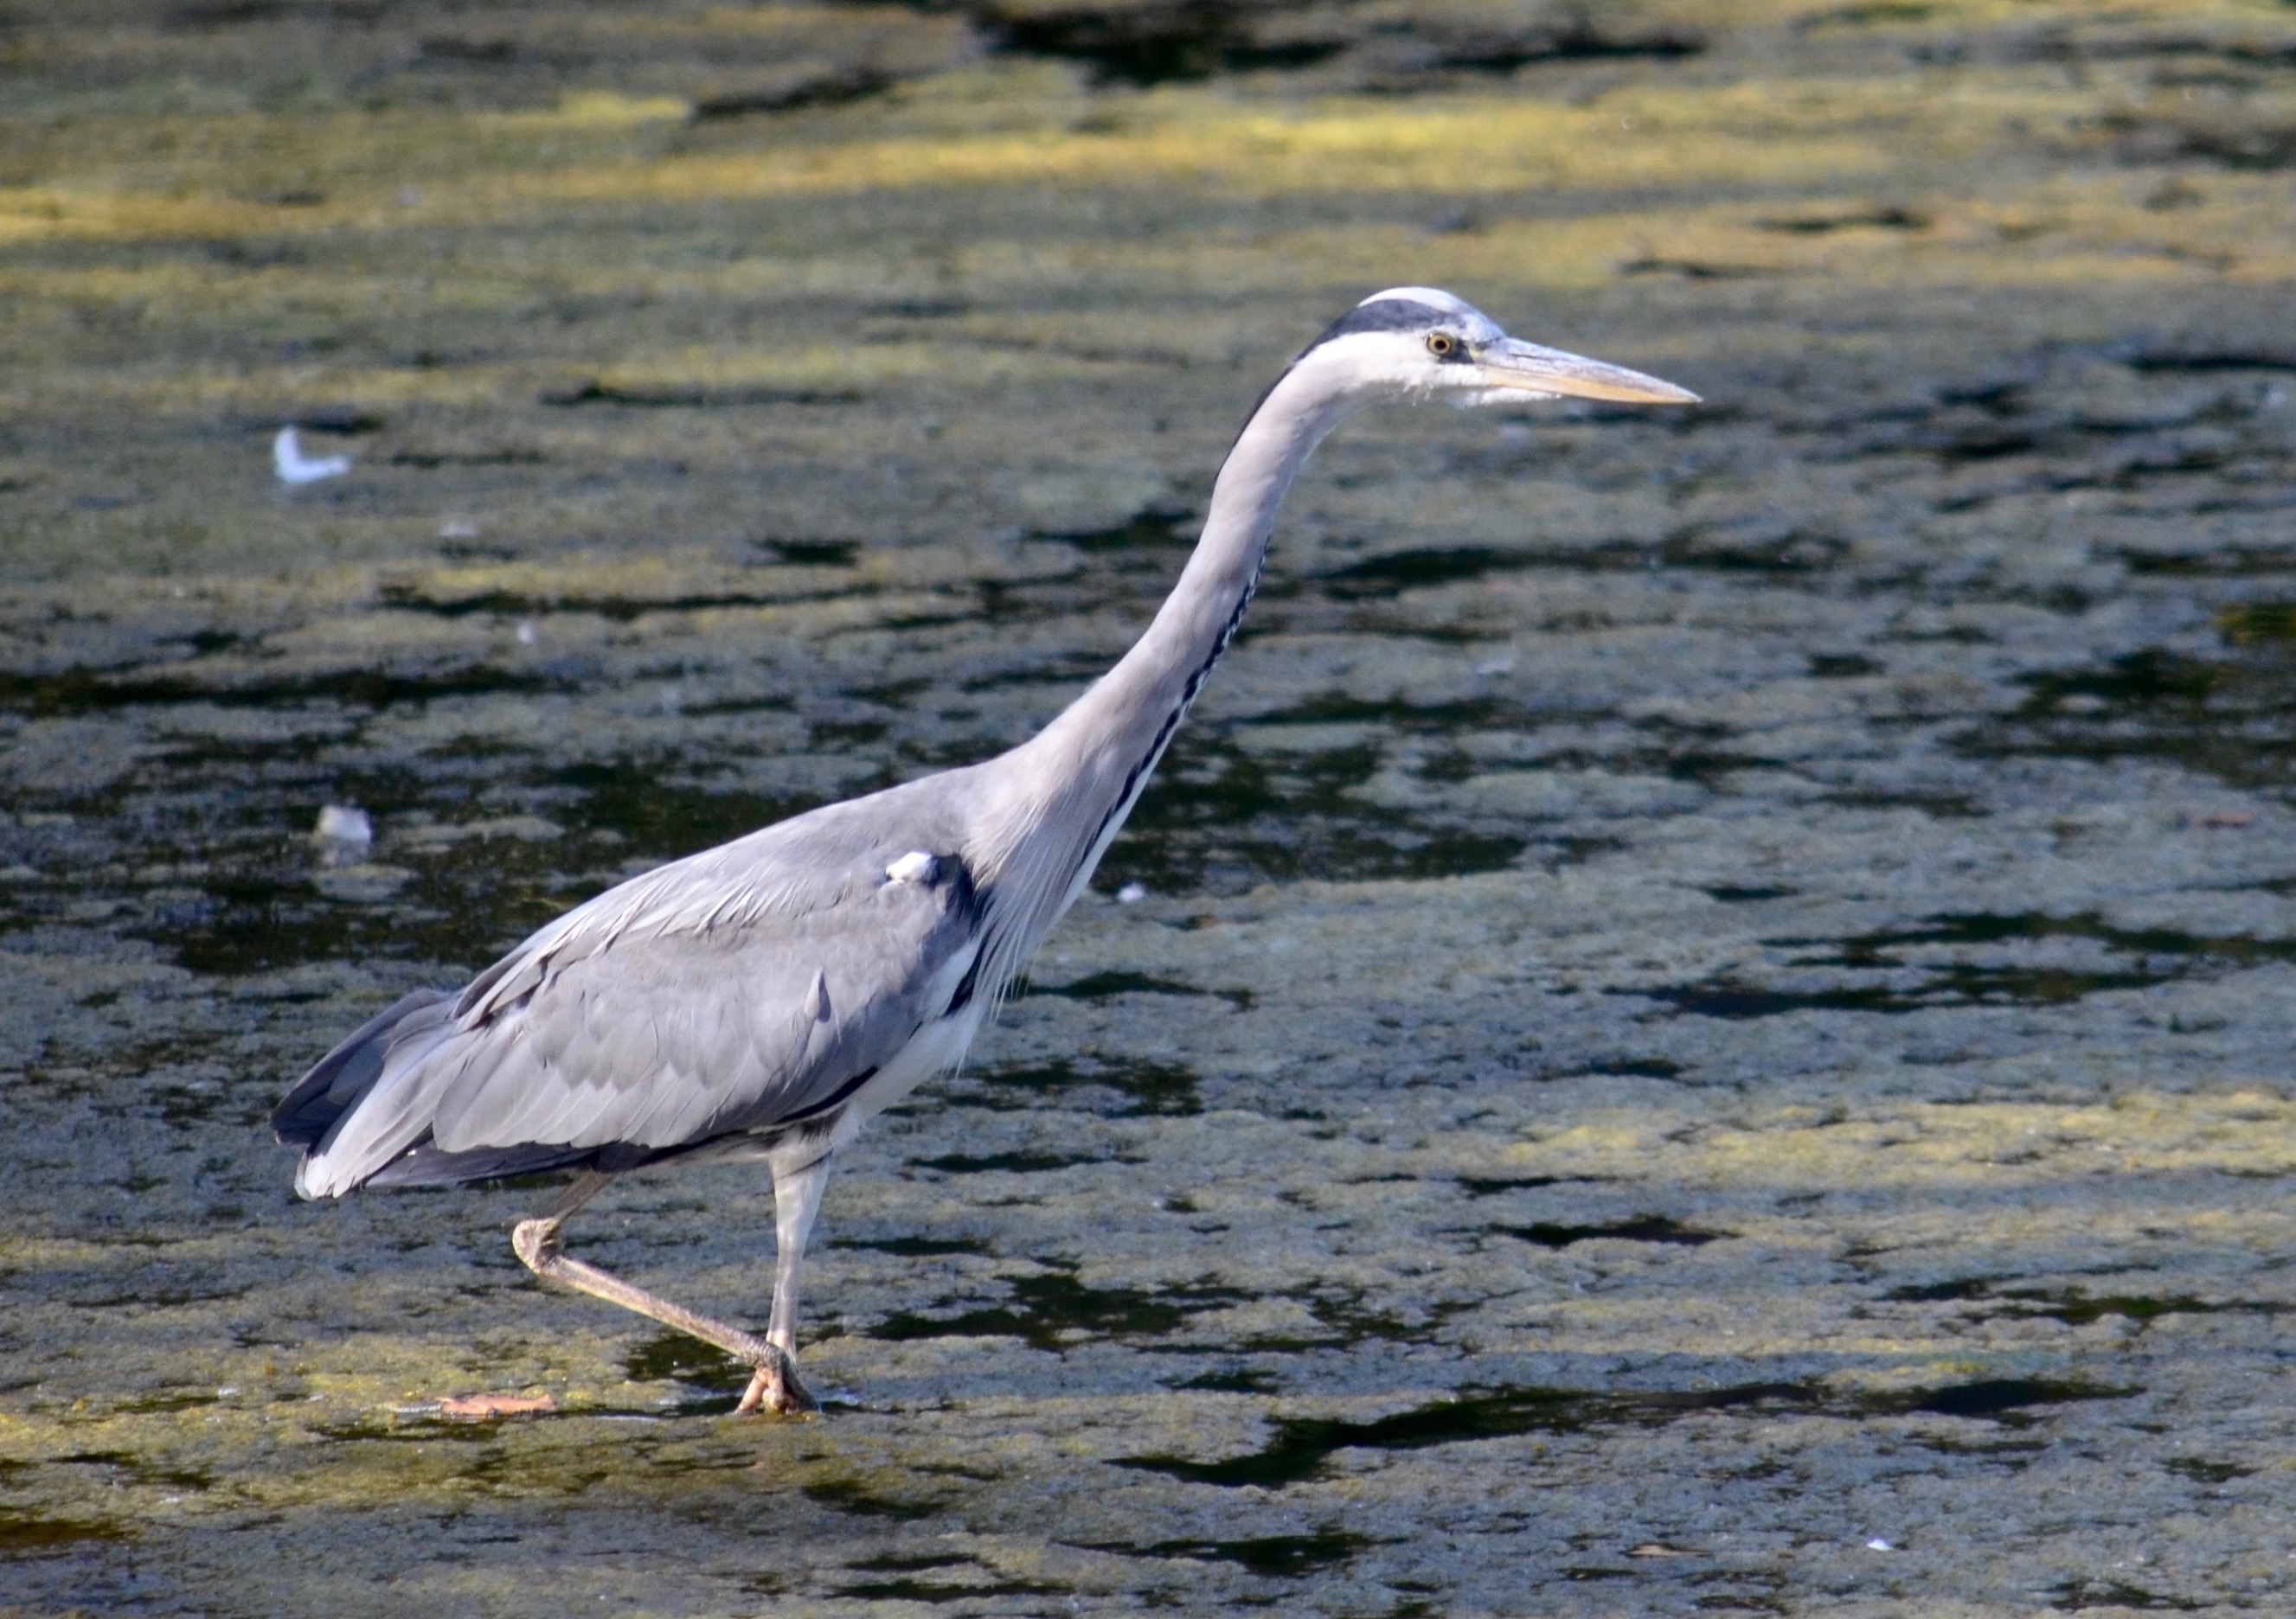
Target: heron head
1417, 342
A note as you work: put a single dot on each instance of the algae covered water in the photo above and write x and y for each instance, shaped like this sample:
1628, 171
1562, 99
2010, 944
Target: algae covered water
1703, 1024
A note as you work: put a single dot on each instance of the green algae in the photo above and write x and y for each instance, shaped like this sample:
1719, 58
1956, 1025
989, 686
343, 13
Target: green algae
1712, 990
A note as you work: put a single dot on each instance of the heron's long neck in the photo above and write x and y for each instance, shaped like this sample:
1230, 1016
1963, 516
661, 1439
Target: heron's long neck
1079, 776
1131, 711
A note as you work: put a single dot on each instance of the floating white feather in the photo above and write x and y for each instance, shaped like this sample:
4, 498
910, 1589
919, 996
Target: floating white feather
294, 467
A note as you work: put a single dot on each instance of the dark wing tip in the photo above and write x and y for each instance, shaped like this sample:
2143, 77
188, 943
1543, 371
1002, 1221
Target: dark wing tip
339, 1080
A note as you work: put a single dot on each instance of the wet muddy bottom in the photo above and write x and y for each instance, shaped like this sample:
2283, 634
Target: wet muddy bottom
1696, 1023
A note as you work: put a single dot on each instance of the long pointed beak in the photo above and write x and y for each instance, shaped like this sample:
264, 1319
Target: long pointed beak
1511, 362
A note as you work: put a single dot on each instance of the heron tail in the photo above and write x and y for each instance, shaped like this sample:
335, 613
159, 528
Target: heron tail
340, 1080
313, 1114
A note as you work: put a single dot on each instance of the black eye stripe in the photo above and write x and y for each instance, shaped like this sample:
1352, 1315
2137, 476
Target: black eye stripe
1381, 315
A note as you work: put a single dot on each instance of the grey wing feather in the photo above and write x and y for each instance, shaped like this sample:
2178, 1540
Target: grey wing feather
722, 993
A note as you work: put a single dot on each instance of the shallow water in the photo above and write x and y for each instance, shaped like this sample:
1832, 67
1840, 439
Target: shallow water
1713, 989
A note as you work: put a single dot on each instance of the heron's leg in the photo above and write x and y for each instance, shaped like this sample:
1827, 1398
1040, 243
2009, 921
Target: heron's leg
578, 1191
796, 1199
535, 1241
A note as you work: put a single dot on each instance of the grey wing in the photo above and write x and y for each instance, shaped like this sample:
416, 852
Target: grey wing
684, 1036
747, 987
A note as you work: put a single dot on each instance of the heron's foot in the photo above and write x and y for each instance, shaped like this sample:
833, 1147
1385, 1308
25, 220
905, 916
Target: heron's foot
773, 1387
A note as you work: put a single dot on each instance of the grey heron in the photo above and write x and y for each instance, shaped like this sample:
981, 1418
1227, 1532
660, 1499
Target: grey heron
761, 1000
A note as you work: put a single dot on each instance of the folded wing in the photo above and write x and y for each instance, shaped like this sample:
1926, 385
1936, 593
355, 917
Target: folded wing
749, 985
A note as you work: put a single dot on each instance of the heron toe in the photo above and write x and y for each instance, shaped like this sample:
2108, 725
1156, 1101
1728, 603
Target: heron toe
773, 1387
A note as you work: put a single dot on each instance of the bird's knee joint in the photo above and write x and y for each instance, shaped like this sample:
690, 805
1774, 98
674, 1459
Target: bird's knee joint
535, 1243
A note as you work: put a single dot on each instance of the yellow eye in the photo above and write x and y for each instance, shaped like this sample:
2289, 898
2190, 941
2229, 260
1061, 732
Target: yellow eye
1440, 344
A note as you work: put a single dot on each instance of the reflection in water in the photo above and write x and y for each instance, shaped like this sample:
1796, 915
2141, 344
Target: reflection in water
2232, 717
